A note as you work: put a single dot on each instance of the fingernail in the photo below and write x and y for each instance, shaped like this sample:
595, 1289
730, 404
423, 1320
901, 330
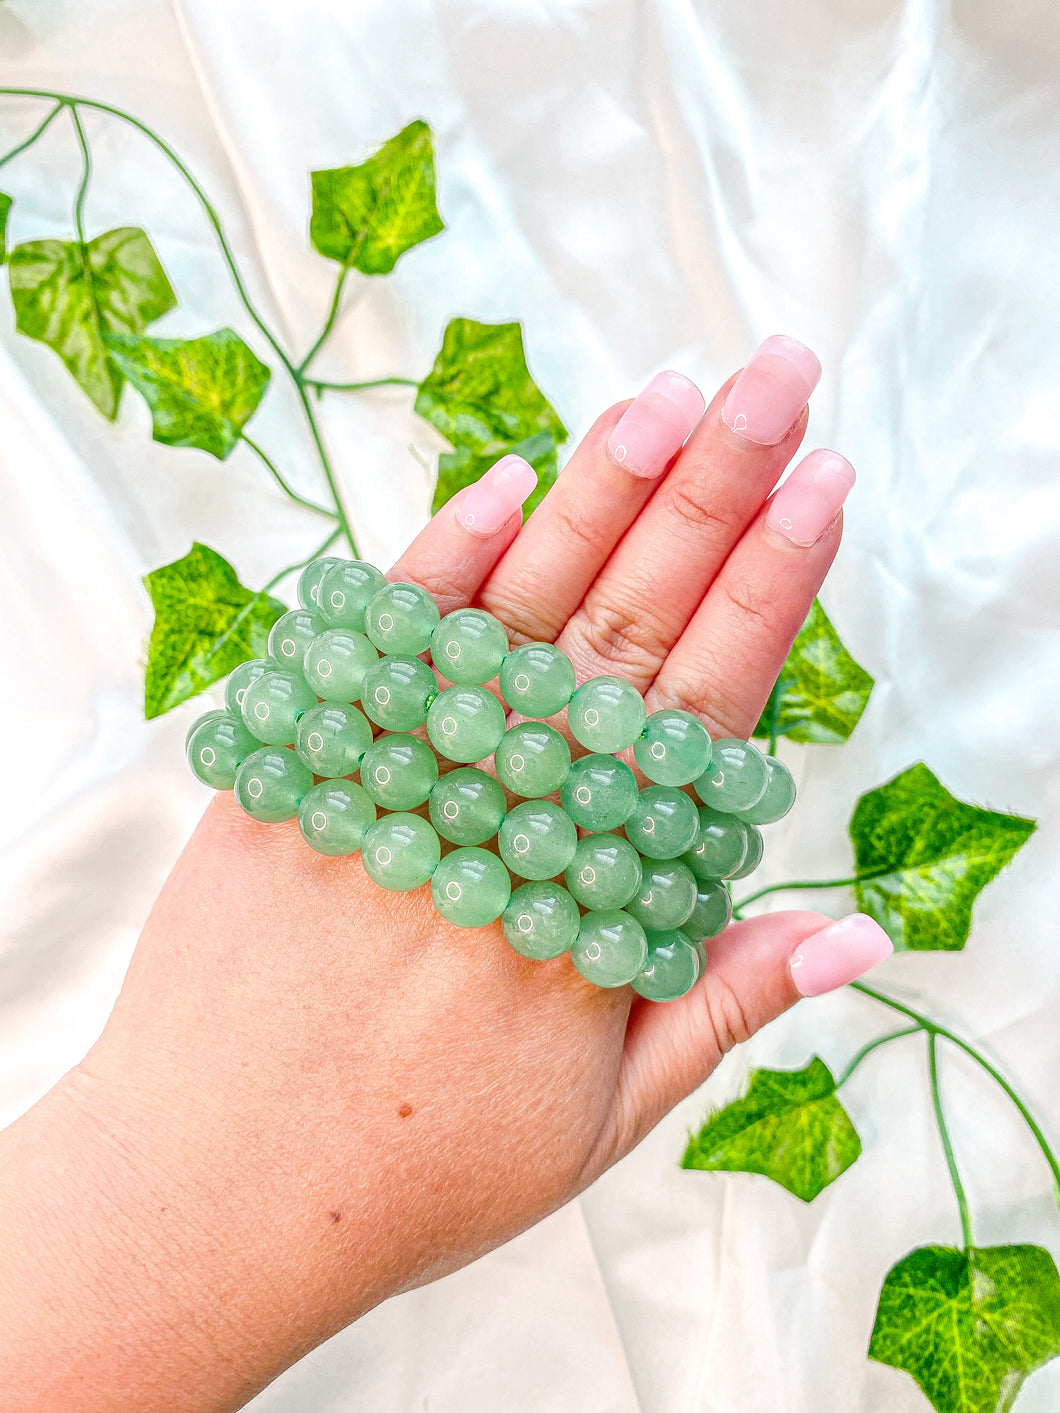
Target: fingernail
765, 401
494, 498
811, 497
839, 954
656, 425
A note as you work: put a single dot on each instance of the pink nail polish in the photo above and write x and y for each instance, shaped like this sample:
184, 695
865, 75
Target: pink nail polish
656, 425
765, 401
811, 497
491, 502
839, 954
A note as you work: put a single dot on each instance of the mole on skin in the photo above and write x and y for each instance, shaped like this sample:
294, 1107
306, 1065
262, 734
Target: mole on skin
404, 1110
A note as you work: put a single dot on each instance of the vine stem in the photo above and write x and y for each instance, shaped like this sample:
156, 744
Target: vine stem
329, 322
86, 177
867, 1050
944, 1139
318, 386
35, 134
274, 472
801, 883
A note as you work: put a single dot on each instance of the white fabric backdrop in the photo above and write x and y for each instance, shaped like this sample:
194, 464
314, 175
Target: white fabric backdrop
645, 185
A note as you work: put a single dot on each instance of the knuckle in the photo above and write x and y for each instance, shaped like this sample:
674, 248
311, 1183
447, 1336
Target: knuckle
578, 532
627, 641
690, 507
726, 1017
748, 599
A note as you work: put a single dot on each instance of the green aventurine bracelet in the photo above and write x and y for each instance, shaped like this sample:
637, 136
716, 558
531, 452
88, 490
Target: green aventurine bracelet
637, 907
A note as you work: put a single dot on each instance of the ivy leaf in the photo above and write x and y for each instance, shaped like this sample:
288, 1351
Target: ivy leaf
789, 1126
68, 296
6, 204
457, 469
201, 391
930, 856
368, 216
823, 691
206, 623
969, 1325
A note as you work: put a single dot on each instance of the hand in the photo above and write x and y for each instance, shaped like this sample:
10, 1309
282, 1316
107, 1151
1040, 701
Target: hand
311, 1093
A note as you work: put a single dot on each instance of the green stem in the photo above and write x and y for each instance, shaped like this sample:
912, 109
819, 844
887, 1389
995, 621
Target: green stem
874, 1045
944, 1138
37, 132
344, 523
329, 322
318, 386
287, 490
86, 177
801, 883
774, 713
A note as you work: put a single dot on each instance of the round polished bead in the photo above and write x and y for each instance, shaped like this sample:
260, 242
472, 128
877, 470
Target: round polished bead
332, 737
664, 822
666, 897
467, 806
335, 663
240, 678
290, 635
711, 914
397, 692
611, 948
537, 679
310, 579
672, 968
736, 778
399, 771
541, 921
537, 840
720, 845
674, 749
335, 816
271, 784
217, 746
273, 705
400, 851
400, 618
471, 887
345, 591
605, 872
600, 793
469, 646
606, 714
465, 723
532, 759
755, 850
778, 798
214, 714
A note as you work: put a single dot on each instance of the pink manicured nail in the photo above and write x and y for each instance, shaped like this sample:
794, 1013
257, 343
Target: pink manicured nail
656, 425
841, 953
767, 397
811, 497
492, 501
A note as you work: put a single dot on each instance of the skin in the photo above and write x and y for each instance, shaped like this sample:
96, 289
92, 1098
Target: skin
313, 1094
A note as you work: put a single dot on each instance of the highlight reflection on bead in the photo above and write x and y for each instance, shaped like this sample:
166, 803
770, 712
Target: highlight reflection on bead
469, 645
400, 852
674, 749
666, 897
335, 816
345, 591
467, 806
664, 822
599, 793
335, 662
217, 746
273, 705
611, 948
399, 771
465, 723
400, 618
606, 714
537, 679
605, 872
397, 693
736, 778
332, 738
290, 635
537, 840
271, 784
541, 921
532, 759
672, 967
471, 887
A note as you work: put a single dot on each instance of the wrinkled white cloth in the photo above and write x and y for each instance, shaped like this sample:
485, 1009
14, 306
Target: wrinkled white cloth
644, 185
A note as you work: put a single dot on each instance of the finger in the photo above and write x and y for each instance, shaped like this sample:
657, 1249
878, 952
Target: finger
453, 555
635, 610
543, 578
725, 663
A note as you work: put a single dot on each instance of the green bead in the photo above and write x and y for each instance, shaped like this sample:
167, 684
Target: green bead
465, 723
400, 852
532, 759
755, 850
335, 663
332, 737
778, 798
471, 887
290, 635
345, 591
666, 897
611, 948
672, 968
217, 746
240, 679
400, 618
537, 840
720, 845
712, 913
467, 806
214, 714
674, 749
271, 784
600, 793
541, 921
397, 692
273, 705
664, 822
537, 679
399, 771
310, 579
606, 714
335, 816
469, 646
736, 778
605, 872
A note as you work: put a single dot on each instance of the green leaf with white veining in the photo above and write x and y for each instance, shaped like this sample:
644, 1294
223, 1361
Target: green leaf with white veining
789, 1126
457, 469
823, 691
5, 210
68, 296
932, 856
201, 392
367, 216
969, 1326
206, 623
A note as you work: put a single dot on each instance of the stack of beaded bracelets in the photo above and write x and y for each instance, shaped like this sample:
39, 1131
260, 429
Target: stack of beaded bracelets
638, 906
